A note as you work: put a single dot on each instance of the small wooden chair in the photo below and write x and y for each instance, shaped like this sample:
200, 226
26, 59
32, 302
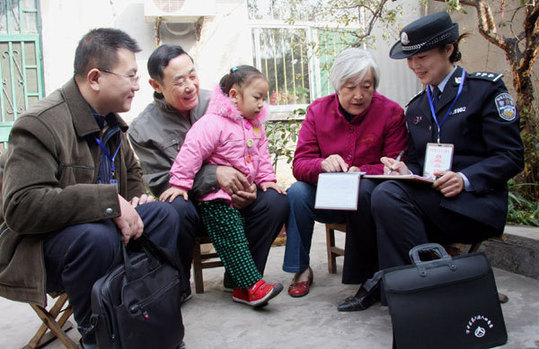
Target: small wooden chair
332, 250
203, 260
55, 324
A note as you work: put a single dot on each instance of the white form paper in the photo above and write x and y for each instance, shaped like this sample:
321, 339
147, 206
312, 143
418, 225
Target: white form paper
337, 191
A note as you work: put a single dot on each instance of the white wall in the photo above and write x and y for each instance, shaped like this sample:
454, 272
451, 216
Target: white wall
397, 81
224, 42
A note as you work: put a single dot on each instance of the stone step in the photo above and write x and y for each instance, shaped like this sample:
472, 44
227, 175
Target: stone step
518, 253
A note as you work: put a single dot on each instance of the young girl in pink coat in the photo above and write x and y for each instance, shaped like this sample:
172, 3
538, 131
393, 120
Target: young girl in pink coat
231, 133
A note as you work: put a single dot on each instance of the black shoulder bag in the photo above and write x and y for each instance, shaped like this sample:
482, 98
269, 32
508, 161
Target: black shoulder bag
137, 303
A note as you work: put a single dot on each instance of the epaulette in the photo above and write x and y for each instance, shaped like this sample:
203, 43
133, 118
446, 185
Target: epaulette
414, 97
485, 76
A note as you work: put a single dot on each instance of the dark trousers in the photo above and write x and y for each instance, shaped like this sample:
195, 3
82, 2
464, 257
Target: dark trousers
360, 257
77, 256
264, 219
409, 214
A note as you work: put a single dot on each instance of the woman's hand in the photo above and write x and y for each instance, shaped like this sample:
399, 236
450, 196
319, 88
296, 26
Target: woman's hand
334, 163
392, 166
449, 183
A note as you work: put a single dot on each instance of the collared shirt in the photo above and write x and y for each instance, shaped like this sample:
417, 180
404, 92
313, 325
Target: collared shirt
108, 129
441, 86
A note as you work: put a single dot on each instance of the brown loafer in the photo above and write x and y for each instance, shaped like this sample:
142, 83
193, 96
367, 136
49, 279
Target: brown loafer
301, 288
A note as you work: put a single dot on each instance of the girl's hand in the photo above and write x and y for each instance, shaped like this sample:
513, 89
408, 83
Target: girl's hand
172, 193
273, 186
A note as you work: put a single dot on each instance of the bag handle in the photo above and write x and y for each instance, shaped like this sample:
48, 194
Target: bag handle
143, 243
422, 266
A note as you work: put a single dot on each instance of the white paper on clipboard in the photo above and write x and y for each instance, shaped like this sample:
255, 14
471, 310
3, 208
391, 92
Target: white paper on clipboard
337, 191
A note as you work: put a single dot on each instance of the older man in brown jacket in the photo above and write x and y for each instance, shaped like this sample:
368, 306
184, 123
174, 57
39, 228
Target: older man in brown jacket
71, 184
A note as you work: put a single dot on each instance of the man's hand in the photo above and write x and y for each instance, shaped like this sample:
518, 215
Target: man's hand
244, 198
143, 199
129, 222
334, 163
172, 193
273, 186
449, 183
392, 166
231, 180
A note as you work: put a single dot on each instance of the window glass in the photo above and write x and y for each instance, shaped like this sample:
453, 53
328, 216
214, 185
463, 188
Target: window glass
283, 58
295, 57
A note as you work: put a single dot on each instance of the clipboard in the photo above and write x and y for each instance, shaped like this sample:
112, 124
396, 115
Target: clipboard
337, 191
410, 177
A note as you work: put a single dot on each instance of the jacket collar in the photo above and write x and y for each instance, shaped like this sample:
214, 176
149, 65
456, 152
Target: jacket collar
170, 112
450, 90
358, 118
83, 119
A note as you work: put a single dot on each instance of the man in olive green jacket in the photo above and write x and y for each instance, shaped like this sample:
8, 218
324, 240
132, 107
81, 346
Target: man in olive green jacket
71, 184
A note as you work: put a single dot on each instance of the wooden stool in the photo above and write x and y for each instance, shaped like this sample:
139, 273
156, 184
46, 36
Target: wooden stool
55, 324
333, 251
203, 260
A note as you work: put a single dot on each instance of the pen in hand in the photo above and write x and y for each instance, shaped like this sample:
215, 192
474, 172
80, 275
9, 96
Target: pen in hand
391, 169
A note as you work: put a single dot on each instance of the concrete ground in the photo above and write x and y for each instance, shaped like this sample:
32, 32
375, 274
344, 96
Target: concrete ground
213, 320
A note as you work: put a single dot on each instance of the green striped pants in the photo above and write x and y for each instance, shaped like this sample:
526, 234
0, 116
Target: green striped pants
225, 227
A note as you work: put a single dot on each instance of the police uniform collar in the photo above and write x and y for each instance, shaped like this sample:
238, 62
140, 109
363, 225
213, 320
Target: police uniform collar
426, 33
444, 82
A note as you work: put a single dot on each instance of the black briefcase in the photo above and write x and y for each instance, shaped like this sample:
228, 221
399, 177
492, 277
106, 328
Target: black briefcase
444, 303
137, 303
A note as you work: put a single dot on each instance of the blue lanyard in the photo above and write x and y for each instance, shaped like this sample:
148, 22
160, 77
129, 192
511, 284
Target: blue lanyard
439, 125
107, 154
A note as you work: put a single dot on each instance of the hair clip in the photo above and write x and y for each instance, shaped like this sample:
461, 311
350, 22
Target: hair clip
234, 69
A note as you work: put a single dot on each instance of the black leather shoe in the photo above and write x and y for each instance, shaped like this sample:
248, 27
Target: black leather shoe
361, 301
185, 296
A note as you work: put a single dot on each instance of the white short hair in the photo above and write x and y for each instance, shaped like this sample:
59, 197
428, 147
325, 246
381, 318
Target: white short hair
353, 63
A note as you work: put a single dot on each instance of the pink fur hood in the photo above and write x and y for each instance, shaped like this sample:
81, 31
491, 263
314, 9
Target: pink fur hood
222, 105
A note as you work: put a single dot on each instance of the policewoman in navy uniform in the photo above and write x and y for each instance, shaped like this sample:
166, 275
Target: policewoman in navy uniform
470, 117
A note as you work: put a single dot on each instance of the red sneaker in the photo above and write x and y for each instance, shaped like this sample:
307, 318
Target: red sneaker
258, 295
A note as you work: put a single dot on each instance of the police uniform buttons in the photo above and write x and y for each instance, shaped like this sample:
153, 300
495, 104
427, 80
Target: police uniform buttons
109, 211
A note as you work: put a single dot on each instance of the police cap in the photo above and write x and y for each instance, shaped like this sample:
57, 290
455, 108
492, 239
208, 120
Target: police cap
424, 34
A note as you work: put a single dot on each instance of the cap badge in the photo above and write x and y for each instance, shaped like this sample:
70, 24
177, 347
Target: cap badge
404, 38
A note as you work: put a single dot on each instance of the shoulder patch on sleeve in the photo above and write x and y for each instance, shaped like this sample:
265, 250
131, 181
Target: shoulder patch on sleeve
485, 76
506, 106
414, 97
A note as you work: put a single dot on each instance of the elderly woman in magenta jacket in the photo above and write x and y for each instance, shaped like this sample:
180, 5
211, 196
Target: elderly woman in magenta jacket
347, 131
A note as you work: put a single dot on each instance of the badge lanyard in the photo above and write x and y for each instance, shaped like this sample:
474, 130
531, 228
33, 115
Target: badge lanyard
107, 154
439, 125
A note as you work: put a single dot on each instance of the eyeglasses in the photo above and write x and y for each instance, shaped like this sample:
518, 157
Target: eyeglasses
133, 78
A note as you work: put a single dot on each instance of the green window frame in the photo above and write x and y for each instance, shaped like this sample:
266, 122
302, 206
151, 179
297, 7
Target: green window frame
21, 61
